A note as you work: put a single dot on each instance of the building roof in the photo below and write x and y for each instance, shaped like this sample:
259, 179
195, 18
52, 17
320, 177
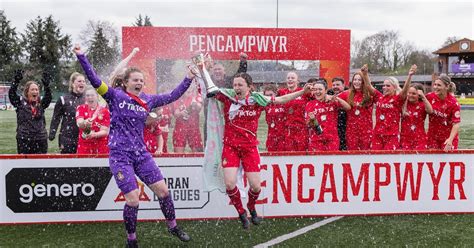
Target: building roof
456, 47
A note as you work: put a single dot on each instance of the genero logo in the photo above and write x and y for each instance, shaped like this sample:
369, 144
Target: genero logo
56, 189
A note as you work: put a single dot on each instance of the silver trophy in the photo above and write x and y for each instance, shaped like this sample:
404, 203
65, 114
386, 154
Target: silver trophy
211, 88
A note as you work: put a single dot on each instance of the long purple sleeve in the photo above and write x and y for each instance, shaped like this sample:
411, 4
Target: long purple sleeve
90, 73
167, 98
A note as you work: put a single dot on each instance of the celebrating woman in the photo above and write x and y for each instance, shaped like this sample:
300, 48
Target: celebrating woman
242, 109
446, 117
31, 135
129, 109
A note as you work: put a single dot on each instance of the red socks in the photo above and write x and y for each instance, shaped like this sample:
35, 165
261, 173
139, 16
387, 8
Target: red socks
234, 195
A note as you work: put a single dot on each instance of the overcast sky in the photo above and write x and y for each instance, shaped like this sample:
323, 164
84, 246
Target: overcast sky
425, 23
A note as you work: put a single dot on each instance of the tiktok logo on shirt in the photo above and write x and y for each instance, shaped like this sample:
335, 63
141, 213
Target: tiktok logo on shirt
440, 114
131, 106
247, 113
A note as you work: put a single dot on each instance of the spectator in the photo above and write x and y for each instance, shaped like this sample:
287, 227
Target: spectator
338, 87
31, 135
65, 113
93, 121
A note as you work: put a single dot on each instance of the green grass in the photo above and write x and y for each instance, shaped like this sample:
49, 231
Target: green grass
384, 231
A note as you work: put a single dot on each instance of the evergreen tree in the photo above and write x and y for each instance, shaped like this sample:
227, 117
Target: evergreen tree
104, 55
10, 49
140, 22
47, 49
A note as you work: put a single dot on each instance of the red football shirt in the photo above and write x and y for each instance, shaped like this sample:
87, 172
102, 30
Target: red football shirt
413, 122
183, 103
241, 129
294, 109
445, 113
275, 118
101, 118
326, 114
388, 111
359, 118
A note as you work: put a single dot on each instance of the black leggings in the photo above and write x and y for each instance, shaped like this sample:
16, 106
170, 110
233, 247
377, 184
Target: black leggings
30, 146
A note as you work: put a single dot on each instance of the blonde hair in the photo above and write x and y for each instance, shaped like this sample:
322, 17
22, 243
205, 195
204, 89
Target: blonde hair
73, 78
447, 81
395, 83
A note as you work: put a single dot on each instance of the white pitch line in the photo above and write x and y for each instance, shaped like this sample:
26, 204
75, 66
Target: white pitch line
297, 232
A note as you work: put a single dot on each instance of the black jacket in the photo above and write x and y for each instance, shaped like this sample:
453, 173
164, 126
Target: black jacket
65, 112
29, 126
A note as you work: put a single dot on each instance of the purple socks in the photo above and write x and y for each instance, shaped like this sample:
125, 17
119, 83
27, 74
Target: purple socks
130, 220
167, 207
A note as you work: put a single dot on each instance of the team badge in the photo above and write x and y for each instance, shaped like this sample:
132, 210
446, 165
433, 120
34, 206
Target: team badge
382, 117
457, 114
100, 117
323, 117
357, 112
120, 176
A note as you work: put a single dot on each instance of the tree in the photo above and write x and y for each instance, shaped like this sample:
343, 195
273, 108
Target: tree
104, 55
450, 40
47, 48
10, 50
140, 22
383, 52
101, 39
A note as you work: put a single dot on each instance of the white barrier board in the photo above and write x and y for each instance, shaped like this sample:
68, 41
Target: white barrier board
82, 189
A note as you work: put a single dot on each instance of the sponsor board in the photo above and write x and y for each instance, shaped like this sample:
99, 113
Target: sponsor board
82, 189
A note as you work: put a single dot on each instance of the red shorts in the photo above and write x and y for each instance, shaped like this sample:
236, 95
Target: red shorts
327, 144
297, 138
413, 143
438, 144
232, 157
93, 148
275, 143
358, 141
187, 136
385, 142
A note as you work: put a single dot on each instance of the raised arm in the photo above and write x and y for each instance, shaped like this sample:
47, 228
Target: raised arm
243, 63
87, 67
365, 74
406, 86
346, 106
288, 97
163, 99
12, 95
46, 80
428, 107
122, 65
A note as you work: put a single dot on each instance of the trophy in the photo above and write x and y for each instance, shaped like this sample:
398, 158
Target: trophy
211, 88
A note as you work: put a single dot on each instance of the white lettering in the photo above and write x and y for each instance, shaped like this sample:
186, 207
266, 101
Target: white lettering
28, 192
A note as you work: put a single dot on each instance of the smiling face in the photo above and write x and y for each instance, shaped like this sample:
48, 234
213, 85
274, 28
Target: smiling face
218, 72
318, 91
412, 95
135, 83
241, 87
387, 88
337, 87
440, 88
357, 82
291, 81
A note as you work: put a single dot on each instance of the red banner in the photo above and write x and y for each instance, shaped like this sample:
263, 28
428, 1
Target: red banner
330, 46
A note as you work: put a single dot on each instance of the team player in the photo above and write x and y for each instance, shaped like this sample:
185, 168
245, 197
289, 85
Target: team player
186, 130
93, 121
275, 118
242, 110
413, 134
152, 134
296, 135
388, 112
129, 109
359, 117
444, 122
323, 111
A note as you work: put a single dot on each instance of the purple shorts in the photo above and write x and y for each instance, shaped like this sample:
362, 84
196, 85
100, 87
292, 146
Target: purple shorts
125, 165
